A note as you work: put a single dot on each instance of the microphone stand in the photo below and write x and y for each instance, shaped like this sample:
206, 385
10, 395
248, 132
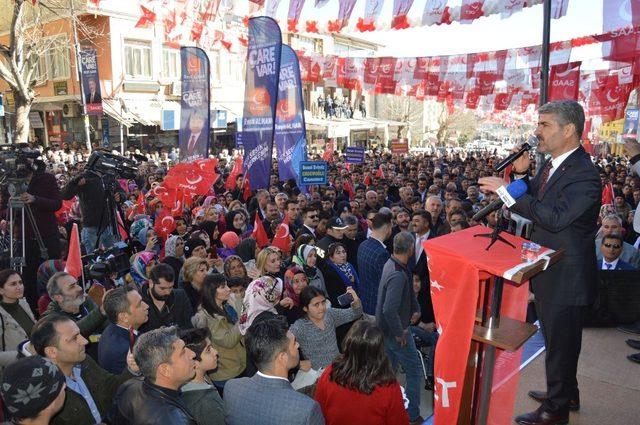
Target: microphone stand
494, 236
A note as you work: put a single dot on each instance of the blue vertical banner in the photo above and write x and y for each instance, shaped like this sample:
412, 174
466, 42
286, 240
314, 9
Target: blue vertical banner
260, 97
193, 136
91, 82
290, 130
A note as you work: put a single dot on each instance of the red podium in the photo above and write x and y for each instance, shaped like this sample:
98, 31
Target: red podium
478, 315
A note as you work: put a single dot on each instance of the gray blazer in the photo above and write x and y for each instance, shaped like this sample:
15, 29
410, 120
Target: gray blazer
268, 401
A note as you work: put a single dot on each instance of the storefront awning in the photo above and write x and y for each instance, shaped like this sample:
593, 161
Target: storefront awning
142, 111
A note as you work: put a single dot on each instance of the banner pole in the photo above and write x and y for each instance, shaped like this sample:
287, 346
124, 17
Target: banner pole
544, 65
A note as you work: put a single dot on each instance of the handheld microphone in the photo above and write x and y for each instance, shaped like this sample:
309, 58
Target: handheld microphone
507, 195
532, 142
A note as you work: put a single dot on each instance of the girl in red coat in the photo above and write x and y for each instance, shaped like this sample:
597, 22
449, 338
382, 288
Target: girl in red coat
359, 387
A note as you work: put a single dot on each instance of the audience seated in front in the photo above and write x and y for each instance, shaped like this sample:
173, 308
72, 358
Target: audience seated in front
166, 365
267, 398
90, 389
359, 386
200, 395
126, 312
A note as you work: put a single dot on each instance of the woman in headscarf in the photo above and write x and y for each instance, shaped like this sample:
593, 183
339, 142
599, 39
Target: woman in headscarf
234, 268
149, 240
174, 253
295, 280
248, 250
236, 222
141, 264
307, 257
264, 293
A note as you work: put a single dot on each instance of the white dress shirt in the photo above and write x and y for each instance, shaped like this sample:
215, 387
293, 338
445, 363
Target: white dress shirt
419, 240
612, 265
556, 162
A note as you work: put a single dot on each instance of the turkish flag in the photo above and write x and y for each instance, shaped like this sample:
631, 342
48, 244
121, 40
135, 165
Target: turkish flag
140, 204
607, 194
191, 177
259, 234
422, 69
564, 81
62, 215
282, 238
612, 100
470, 10
485, 81
121, 229
432, 84
74, 257
148, 17
472, 99
502, 101
230, 184
164, 224
166, 195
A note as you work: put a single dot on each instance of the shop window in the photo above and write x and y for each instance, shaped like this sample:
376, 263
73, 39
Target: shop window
137, 59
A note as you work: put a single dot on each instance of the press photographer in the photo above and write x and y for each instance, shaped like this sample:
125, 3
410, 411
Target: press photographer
95, 188
29, 185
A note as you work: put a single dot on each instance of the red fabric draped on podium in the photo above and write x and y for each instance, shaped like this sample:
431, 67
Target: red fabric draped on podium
457, 264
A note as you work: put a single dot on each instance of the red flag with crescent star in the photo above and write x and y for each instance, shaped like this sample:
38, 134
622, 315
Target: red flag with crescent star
259, 234
164, 224
282, 238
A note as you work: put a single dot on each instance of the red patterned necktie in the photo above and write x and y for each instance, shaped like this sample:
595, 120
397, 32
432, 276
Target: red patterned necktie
544, 177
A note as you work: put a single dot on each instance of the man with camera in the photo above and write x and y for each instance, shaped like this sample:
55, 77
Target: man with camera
92, 188
43, 198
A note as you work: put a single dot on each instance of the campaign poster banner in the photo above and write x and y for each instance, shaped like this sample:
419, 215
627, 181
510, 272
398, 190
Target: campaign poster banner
289, 127
261, 94
313, 172
630, 128
91, 82
193, 135
354, 155
399, 146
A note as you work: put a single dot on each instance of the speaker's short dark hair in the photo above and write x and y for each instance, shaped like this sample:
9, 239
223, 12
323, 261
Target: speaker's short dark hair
265, 340
116, 302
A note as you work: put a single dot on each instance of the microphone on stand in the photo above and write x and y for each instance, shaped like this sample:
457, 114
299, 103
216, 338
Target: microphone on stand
507, 195
532, 142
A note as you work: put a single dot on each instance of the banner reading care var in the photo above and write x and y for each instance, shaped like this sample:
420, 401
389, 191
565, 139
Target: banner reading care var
260, 97
290, 132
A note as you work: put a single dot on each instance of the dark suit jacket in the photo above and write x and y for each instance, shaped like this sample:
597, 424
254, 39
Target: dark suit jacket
200, 148
622, 265
113, 348
419, 267
565, 217
44, 188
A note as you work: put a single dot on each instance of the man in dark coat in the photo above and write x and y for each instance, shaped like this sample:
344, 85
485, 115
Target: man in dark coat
563, 201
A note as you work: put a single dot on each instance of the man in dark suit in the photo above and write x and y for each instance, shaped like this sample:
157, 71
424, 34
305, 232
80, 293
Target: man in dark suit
563, 201
126, 311
610, 249
421, 222
267, 397
92, 94
195, 144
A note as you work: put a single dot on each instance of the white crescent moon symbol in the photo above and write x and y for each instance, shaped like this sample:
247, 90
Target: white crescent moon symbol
609, 97
255, 100
196, 181
169, 218
286, 231
177, 207
564, 73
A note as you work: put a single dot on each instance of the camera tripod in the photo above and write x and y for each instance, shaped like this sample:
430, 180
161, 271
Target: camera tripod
20, 209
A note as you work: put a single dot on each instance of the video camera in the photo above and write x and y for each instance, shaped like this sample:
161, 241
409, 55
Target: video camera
101, 264
16, 164
102, 163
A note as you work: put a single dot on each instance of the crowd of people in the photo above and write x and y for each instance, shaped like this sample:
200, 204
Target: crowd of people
338, 107
212, 324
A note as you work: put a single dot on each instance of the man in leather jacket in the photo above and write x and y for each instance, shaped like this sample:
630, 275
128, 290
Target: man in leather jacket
166, 365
